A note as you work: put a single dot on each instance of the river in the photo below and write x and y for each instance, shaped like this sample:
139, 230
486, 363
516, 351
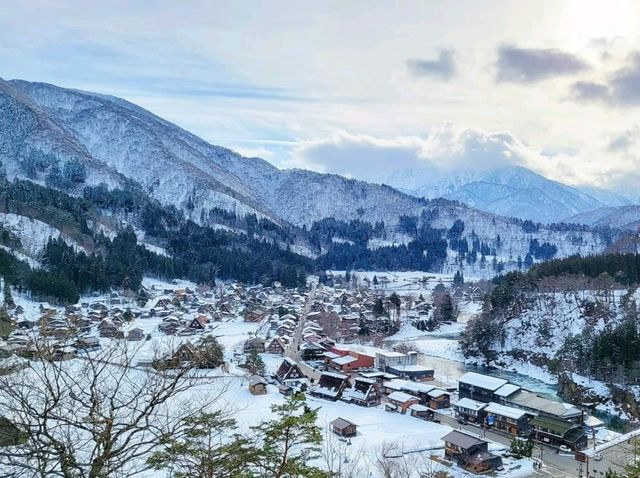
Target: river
449, 370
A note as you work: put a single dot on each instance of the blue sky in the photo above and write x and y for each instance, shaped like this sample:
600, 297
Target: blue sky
361, 88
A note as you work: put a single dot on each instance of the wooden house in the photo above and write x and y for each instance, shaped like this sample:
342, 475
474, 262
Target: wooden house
439, 399
257, 385
288, 370
364, 392
556, 432
108, 329
276, 346
344, 428
470, 410
470, 452
402, 400
421, 411
331, 386
256, 344
199, 323
507, 419
136, 334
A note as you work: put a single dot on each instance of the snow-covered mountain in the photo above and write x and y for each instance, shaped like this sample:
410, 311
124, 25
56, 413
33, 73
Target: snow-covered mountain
511, 191
179, 168
30, 139
68, 139
623, 217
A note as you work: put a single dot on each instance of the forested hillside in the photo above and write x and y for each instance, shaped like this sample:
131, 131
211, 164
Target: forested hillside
102, 247
570, 316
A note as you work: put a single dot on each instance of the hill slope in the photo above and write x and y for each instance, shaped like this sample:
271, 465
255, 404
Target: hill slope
623, 217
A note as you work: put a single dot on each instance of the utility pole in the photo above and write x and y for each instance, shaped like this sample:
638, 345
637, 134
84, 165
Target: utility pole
539, 443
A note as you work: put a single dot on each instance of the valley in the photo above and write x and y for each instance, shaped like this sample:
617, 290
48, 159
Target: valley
129, 241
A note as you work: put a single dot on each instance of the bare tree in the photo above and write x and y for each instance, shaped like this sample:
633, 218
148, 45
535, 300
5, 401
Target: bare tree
95, 416
392, 461
341, 459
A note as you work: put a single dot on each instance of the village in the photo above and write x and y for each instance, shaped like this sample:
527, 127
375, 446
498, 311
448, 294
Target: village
328, 341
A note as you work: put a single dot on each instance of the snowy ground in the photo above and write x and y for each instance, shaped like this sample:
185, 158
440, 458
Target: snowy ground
376, 427
407, 282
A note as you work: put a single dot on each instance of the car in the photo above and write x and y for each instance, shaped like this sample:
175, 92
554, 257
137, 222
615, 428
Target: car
598, 457
462, 421
564, 450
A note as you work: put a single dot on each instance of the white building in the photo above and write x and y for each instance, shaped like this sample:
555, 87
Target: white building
386, 359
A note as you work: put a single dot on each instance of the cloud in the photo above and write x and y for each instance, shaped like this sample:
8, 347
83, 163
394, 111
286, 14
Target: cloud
621, 88
446, 148
625, 83
443, 67
588, 91
622, 143
530, 65
355, 155
453, 147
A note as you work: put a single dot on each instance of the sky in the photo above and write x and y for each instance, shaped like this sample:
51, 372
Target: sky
361, 88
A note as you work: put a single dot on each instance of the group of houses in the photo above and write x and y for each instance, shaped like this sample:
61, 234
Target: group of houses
164, 310
365, 385
496, 403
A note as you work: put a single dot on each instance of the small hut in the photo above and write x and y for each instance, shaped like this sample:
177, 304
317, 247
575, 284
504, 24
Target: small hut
257, 385
344, 428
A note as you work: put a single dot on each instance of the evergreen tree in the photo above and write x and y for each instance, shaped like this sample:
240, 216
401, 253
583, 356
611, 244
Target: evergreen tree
127, 316
5, 323
528, 260
206, 450
632, 469
8, 297
378, 308
458, 278
288, 444
394, 298
521, 448
255, 363
444, 308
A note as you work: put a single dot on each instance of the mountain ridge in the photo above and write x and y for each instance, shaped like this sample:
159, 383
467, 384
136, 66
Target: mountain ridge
505, 191
111, 138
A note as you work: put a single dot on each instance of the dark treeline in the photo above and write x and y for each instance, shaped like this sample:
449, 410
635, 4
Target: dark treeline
252, 250
199, 253
40, 284
624, 268
612, 356
356, 231
400, 257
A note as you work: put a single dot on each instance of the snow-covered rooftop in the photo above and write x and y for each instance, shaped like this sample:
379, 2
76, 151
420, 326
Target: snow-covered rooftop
400, 397
470, 404
506, 390
504, 411
345, 360
410, 368
482, 381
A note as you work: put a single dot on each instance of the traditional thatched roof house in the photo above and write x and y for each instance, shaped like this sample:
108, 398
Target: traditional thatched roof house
331, 386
